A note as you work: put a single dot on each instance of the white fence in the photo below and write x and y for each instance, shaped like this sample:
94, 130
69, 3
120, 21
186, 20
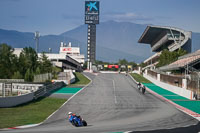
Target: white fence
42, 77
13, 89
178, 90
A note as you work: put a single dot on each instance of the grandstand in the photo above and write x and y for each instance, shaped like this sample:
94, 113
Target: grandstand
190, 61
163, 37
63, 61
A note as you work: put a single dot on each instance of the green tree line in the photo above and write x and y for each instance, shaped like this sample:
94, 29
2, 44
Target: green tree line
168, 57
25, 66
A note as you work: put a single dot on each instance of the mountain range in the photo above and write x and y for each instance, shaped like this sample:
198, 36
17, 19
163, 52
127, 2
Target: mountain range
115, 40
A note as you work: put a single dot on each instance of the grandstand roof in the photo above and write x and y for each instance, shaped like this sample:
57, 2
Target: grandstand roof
150, 34
161, 37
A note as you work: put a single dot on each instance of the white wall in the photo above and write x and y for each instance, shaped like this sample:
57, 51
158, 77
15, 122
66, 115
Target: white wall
15, 100
178, 90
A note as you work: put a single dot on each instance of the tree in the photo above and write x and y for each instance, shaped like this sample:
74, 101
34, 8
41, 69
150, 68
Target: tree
55, 71
29, 75
37, 72
17, 75
142, 64
6, 61
181, 52
168, 57
133, 64
28, 60
123, 62
45, 64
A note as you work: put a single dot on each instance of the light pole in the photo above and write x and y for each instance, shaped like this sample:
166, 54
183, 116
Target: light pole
37, 36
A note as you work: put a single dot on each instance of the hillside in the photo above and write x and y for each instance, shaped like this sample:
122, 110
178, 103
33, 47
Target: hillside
115, 40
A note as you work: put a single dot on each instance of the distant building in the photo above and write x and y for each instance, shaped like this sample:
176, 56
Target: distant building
73, 52
163, 37
17, 51
63, 61
68, 57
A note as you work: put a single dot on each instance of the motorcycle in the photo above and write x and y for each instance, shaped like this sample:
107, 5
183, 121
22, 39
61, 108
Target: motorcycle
143, 89
77, 121
139, 86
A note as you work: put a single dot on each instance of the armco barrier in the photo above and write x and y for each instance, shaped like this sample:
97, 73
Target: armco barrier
45, 90
15, 100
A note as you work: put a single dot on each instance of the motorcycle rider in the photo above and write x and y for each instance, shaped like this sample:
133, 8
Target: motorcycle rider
71, 116
139, 85
143, 89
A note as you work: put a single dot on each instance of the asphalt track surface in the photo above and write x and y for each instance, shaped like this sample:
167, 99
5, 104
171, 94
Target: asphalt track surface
112, 103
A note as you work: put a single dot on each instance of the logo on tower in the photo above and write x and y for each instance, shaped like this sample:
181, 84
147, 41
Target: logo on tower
91, 6
91, 12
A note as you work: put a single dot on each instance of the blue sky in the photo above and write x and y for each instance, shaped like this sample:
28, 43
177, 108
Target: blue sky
58, 16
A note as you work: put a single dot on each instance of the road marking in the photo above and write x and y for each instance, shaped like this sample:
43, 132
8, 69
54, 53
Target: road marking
114, 91
69, 98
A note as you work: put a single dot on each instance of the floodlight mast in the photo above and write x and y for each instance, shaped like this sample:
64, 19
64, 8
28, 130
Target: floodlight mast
37, 36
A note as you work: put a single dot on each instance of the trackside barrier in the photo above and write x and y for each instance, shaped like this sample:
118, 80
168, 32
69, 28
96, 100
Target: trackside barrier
45, 90
175, 89
67, 77
17, 100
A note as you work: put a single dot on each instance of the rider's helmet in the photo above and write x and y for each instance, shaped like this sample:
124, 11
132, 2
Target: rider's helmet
70, 113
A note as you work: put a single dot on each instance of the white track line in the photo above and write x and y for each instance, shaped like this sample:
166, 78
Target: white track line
114, 91
70, 98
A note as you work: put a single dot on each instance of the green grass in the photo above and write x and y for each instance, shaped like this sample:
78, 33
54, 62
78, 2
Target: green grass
81, 80
140, 78
30, 113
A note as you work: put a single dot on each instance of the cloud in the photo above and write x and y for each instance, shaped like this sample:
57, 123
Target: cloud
127, 16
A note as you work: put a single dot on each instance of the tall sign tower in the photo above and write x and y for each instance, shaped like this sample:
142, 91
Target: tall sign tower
91, 19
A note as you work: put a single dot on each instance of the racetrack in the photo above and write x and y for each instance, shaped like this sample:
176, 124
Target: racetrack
112, 103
